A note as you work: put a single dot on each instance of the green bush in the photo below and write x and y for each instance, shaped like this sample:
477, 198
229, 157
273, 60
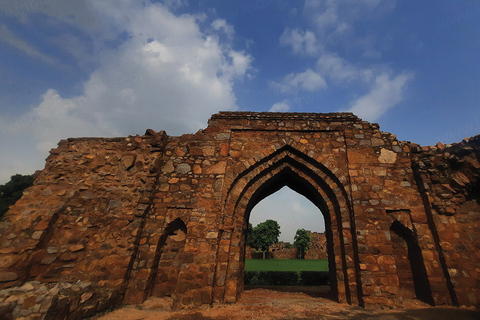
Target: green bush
287, 278
11, 191
250, 277
314, 278
279, 278
276, 278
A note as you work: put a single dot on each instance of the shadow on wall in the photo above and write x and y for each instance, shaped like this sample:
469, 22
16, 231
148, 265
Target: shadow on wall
167, 263
417, 273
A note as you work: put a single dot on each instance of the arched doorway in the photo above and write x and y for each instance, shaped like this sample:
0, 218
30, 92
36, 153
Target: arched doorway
168, 261
411, 270
288, 167
292, 211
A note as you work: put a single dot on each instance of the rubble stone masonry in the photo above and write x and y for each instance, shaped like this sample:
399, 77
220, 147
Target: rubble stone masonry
166, 216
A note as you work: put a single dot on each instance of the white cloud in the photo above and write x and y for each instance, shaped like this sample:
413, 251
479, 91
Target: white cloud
308, 80
325, 13
282, 106
340, 70
73, 12
338, 16
239, 65
330, 29
385, 93
302, 42
168, 75
335, 23
385, 89
222, 25
10, 38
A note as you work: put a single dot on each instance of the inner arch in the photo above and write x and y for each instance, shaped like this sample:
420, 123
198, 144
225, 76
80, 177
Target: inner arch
289, 167
291, 210
286, 177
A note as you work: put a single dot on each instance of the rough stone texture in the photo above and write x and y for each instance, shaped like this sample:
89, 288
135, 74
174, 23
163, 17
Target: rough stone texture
449, 179
35, 300
280, 251
160, 215
318, 246
317, 249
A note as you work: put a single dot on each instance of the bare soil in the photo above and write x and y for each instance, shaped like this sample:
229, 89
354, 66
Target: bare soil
286, 303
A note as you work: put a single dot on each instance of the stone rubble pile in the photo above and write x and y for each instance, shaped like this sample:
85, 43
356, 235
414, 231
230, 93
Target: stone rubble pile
55, 301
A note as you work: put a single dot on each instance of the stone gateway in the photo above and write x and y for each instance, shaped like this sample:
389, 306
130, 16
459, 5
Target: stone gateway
112, 220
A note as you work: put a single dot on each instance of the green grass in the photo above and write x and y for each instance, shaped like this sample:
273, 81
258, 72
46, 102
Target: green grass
286, 265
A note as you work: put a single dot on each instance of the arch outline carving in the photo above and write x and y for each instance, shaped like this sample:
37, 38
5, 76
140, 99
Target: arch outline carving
290, 167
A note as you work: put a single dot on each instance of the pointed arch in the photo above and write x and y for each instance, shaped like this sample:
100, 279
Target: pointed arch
163, 279
288, 167
410, 265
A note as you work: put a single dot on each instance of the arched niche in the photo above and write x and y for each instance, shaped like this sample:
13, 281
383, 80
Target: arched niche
168, 261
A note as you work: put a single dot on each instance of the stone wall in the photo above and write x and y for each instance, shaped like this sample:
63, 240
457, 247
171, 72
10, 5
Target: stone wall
36, 300
449, 177
160, 215
281, 251
317, 247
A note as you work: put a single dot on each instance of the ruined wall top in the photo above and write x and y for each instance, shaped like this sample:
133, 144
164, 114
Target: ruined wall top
333, 116
244, 120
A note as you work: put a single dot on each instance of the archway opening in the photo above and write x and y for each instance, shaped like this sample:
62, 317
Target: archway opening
288, 191
168, 261
410, 265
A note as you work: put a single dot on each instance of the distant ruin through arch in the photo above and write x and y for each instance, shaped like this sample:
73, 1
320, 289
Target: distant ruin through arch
103, 209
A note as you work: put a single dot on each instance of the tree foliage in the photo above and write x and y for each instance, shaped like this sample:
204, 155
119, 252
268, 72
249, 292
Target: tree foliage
248, 235
11, 191
302, 241
264, 235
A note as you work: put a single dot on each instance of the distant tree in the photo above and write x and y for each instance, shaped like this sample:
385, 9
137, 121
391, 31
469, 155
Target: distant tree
11, 191
264, 235
302, 241
288, 245
248, 235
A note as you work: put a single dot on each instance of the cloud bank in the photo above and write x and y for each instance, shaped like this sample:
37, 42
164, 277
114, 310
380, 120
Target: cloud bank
169, 72
332, 30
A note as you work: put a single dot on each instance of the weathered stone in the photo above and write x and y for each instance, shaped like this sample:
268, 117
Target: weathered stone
37, 234
177, 205
218, 168
150, 132
183, 168
52, 250
49, 259
76, 247
114, 203
8, 276
8, 260
42, 225
460, 179
209, 151
387, 156
376, 142
357, 157
168, 167
128, 161
68, 256
86, 296
179, 152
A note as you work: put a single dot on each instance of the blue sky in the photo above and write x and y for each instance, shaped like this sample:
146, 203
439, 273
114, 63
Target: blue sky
73, 68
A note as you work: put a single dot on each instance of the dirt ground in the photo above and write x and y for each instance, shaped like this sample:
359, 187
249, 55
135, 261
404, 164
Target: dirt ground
266, 303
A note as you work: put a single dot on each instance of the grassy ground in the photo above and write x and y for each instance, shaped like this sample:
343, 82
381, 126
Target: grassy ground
286, 265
